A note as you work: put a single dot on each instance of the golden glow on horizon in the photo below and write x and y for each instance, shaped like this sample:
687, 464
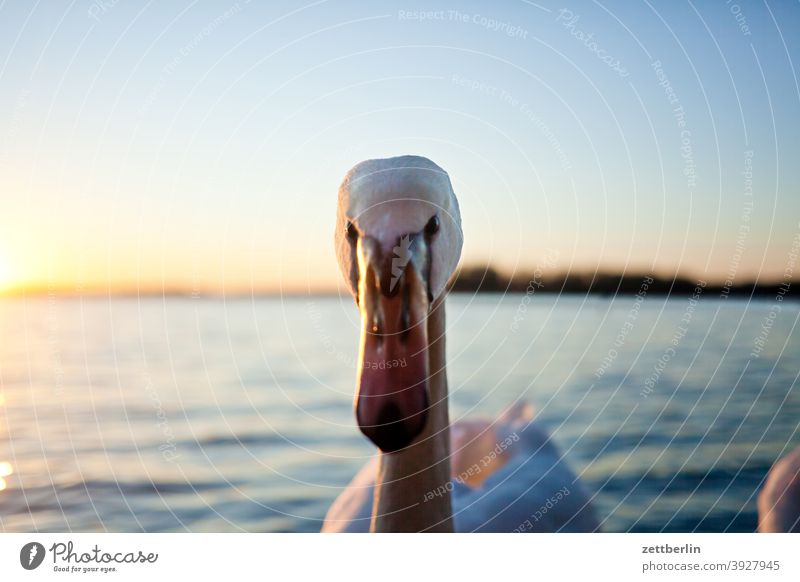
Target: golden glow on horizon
2, 484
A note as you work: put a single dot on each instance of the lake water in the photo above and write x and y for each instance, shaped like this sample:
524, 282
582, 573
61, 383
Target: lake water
214, 415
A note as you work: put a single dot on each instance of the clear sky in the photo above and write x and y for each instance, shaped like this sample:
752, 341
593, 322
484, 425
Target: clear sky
184, 145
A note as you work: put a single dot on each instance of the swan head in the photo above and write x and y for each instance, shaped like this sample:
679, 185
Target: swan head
398, 240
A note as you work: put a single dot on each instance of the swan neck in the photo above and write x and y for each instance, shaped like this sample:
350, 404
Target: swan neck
411, 493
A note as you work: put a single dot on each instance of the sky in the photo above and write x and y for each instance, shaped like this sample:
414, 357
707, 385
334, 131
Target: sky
198, 146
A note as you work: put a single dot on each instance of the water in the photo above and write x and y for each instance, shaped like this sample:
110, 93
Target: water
211, 415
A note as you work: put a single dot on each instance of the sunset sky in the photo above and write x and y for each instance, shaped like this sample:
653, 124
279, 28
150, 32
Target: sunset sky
199, 145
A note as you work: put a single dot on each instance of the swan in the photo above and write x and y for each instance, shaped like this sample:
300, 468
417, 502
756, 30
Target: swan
398, 241
779, 500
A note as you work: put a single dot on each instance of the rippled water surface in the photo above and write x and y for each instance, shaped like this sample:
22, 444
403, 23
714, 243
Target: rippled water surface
209, 415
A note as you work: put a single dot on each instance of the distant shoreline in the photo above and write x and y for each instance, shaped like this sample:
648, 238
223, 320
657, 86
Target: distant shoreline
481, 280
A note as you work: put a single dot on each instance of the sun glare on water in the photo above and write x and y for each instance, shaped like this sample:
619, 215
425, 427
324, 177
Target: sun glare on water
5, 470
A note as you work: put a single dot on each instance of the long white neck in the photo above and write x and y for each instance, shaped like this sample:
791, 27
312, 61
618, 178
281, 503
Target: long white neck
411, 493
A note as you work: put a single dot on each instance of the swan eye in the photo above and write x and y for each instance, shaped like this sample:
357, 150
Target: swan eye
352, 232
433, 226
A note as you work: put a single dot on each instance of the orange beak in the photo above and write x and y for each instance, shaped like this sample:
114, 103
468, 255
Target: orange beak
393, 296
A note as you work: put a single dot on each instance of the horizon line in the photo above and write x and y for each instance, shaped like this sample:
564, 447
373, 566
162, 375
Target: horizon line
581, 282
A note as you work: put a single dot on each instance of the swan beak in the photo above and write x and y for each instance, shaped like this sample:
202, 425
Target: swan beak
393, 296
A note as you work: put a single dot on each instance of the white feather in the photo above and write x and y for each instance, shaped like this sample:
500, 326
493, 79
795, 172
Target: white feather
375, 192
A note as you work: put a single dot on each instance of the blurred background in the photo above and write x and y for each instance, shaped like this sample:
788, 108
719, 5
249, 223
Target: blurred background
177, 351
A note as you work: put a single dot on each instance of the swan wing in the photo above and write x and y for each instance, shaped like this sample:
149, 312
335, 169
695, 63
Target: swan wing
779, 500
352, 510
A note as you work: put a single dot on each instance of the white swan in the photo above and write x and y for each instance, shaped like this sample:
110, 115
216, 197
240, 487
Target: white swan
398, 241
779, 500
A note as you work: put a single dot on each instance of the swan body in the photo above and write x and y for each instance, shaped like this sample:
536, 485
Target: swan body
526, 487
398, 241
